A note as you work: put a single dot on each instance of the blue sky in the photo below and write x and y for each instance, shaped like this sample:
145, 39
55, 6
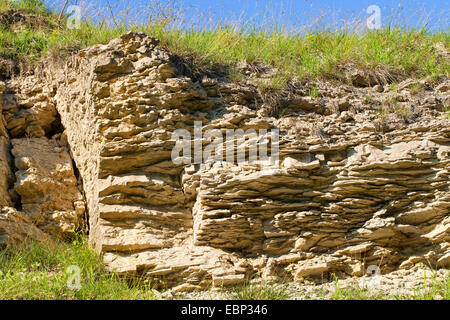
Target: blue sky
295, 14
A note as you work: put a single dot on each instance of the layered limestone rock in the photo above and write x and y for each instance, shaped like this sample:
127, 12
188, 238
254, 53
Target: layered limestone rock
119, 118
46, 184
15, 227
29, 109
348, 191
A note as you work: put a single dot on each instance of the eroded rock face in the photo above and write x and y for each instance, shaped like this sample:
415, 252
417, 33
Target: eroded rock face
29, 109
16, 228
119, 119
46, 184
349, 191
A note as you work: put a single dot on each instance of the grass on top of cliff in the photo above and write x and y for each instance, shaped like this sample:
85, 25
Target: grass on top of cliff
34, 271
395, 54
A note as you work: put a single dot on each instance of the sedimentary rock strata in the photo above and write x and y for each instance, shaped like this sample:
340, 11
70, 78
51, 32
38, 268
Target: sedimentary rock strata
348, 191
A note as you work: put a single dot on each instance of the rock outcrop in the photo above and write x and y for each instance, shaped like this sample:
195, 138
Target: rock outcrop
16, 228
46, 184
37, 171
351, 188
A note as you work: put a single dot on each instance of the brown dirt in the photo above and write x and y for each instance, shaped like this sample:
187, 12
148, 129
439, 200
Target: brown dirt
18, 19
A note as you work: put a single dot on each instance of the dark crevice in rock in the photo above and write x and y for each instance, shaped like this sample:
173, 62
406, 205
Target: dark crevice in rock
187, 66
15, 198
59, 130
56, 127
84, 225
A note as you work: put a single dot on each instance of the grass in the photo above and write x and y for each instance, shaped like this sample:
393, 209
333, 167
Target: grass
368, 99
31, 6
430, 289
435, 289
357, 294
446, 114
394, 53
36, 271
261, 291
399, 54
313, 92
403, 110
